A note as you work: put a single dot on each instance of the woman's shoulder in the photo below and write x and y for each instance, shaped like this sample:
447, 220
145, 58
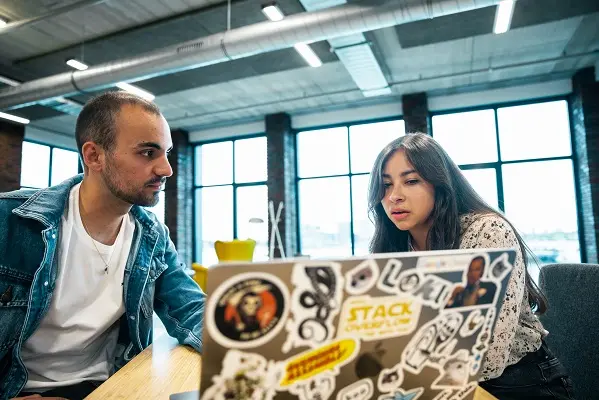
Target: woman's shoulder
486, 230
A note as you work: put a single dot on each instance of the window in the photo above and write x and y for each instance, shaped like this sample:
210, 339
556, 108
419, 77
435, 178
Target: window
43, 166
231, 197
523, 165
334, 167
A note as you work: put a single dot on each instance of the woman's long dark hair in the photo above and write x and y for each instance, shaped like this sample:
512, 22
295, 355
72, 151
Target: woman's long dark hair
453, 197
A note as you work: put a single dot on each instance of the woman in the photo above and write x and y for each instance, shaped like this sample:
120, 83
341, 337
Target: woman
419, 200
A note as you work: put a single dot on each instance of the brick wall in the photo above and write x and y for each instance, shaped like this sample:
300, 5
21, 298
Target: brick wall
584, 105
281, 177
415, 113
11, 148
178, 196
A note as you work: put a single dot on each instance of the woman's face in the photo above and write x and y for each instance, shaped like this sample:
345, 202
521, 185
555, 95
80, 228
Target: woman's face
408, 199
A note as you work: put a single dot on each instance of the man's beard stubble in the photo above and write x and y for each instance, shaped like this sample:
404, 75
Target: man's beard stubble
131, 197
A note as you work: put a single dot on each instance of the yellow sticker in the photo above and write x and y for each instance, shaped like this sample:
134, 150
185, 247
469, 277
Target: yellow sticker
373, 318
314, 362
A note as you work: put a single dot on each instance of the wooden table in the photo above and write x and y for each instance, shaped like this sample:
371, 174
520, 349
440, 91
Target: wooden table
165, 368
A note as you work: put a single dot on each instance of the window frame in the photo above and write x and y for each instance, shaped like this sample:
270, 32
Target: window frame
233, 184
349, 174
496, 165
51, 160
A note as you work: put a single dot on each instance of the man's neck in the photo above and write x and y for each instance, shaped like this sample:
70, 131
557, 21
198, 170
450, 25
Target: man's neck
101, 212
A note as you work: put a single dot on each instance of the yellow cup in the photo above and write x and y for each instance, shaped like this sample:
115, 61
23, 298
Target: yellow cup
235, 250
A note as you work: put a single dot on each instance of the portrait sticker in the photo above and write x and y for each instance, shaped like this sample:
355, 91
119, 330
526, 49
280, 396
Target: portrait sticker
476, 290
360, 390
373, 318
248, 310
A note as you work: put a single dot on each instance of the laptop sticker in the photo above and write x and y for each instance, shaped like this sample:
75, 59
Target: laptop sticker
315, 301
373, 318
390, 379
243, 376
473, 322
428, 344
362, 278
248, 310
360, 390
400, 394
444, 395
500, 267
462, 393
455, 371
476, 290
308, 364
430, 290
482, 341
320, 387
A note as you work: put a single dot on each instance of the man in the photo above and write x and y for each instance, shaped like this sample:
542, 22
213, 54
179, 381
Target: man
83, 266
475, 292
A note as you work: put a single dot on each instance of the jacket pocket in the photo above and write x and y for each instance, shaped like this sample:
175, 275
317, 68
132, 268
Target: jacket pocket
14, 296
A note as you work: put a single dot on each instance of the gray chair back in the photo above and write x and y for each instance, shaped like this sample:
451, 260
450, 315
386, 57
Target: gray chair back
572, 291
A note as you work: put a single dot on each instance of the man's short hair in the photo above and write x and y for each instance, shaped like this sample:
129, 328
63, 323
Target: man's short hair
96, 121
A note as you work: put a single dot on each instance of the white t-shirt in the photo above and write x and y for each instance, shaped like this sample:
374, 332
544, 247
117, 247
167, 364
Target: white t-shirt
76, 340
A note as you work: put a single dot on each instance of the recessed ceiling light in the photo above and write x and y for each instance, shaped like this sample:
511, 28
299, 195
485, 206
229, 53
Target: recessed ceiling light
308, 54
76, 64
273, 12
14, 118
3, 23
503, 16
135, 90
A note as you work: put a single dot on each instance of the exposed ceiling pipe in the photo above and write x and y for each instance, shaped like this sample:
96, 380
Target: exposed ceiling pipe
238, 43
51, 14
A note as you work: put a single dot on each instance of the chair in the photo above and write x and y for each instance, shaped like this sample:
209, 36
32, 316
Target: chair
573, 322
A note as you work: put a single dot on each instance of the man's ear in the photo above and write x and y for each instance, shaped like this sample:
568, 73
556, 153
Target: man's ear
93, 156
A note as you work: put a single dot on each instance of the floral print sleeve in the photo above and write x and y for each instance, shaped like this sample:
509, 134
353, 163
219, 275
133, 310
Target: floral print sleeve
517, 330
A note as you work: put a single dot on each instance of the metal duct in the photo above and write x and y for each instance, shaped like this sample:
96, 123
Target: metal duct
238, 43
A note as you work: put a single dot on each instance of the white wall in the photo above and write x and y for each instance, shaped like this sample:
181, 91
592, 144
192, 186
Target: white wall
394, 108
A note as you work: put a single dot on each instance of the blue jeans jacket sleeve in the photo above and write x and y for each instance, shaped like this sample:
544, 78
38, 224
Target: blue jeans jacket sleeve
179, 301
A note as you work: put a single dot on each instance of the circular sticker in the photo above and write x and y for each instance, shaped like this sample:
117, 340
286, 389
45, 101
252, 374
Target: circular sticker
247, 310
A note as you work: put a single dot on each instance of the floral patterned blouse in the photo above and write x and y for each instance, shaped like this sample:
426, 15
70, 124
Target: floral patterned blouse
518, 331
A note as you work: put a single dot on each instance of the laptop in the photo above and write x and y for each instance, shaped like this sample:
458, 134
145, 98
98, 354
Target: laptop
403, 326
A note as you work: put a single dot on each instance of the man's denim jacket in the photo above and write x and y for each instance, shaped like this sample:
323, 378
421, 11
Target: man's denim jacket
154, 280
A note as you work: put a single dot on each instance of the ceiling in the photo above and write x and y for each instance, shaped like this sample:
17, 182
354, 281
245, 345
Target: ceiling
548, 39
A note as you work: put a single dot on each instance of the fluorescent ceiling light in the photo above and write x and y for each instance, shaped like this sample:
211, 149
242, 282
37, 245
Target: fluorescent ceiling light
3, 23
135, 90
308, 54
273, 12
503, 16
14, 118
76, 64
377, 92
8, 81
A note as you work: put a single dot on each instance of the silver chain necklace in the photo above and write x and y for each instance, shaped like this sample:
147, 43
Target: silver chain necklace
106, 264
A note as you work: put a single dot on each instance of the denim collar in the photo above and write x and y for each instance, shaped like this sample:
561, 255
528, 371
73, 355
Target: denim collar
48, 205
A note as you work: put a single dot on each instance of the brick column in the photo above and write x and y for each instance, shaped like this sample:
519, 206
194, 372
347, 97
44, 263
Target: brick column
584, 105
11, 148
178, 196
415, 113
281, 178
